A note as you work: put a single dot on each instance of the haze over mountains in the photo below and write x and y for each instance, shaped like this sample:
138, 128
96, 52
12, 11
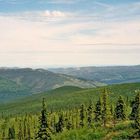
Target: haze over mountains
106, 74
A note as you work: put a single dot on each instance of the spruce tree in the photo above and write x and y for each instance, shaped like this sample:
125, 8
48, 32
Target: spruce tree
24, 128
68, 124
54, 122
135, 107
89, 114
137, 116
11, 133
98, 111
77, 119
120, 109
60, 124
104, 108
137, 125
43, 132
82, 116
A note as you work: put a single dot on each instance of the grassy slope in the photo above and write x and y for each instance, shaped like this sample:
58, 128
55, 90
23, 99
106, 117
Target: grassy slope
68, 97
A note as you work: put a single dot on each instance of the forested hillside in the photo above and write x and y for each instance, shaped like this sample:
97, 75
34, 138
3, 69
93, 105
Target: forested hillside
68, 97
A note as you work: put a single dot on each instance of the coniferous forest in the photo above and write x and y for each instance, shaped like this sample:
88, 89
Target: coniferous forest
95, 120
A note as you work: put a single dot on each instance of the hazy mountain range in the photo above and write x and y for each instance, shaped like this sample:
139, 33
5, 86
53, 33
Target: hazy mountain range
108, 74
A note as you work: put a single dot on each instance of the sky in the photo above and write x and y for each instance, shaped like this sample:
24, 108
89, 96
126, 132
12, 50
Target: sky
53, 33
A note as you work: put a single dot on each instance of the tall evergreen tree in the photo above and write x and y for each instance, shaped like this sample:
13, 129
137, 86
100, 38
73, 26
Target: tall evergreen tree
24, 128
89, 114
60, 124
120, 109
43, 133
98, 111
82, 115
11, 133
104, 107
77, 119
135, 114
135, 107
137, 124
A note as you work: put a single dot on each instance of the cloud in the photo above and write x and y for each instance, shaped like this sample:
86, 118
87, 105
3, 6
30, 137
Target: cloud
54, 13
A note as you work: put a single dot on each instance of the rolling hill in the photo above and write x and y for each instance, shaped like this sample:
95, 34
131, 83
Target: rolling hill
69, 97
17, 83
107, 74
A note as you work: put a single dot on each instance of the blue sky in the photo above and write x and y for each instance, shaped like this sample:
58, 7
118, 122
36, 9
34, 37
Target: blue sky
69, 32
70, 5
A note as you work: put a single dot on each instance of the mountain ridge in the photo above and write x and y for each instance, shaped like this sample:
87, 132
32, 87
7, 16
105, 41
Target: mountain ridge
105, 74
29, 81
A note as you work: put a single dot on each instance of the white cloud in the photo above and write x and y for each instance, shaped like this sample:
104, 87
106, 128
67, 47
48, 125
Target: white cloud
54, 13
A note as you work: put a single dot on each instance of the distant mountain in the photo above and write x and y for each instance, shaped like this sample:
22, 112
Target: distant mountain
16, 83
108, 75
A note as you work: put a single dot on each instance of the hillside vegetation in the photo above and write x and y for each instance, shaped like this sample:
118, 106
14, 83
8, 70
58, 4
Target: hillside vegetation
106, 74
68, 97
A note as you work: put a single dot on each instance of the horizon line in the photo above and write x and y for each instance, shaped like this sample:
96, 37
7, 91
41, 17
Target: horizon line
64, 66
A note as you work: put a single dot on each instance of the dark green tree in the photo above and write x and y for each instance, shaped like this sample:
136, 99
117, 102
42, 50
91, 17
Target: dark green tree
89, 114
82, 115
68, 124
120, 109
104, 107
135, 107
77, 119
137, 125
11, 133
43, 132
135, 114
60, 124
24, 128
98, 111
